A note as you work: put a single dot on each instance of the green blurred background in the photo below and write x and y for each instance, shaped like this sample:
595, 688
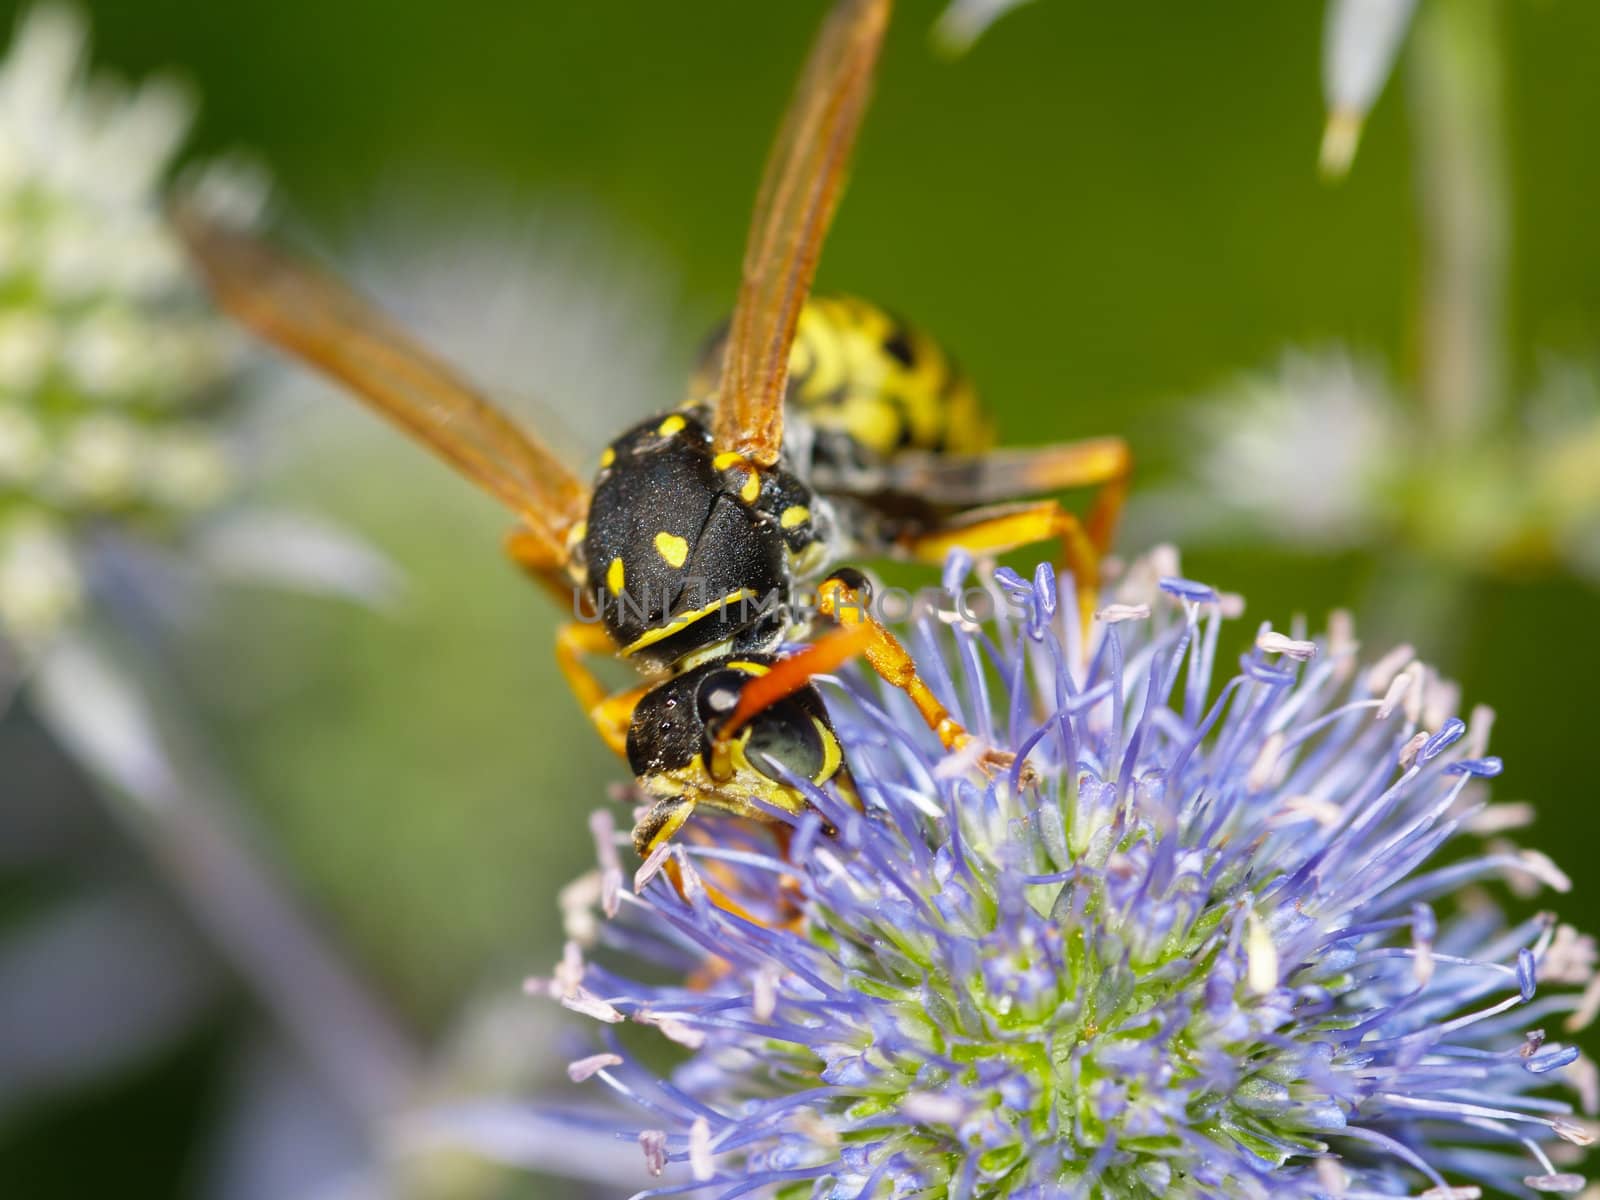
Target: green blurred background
1106, 210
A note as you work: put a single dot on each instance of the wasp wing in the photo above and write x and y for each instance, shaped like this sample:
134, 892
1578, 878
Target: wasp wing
321, 322
964, 480
794, 207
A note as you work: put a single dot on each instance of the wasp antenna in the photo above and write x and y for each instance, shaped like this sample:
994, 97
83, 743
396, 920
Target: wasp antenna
791, 674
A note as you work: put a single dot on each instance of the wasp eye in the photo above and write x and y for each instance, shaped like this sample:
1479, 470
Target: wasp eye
783, 735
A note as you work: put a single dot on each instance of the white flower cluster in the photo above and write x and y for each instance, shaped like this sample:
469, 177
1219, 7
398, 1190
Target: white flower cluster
108, 356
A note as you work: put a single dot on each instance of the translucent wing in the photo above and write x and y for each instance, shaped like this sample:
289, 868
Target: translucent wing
320, 321
793, 209
962, 480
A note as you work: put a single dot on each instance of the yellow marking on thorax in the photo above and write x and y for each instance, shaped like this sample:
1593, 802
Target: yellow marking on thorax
673, 549
728, 458
616, 576
750, 492
607, 457
683, 620
673, 424
794, 516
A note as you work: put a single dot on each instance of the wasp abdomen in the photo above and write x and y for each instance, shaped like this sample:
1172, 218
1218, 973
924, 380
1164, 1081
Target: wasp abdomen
870, 385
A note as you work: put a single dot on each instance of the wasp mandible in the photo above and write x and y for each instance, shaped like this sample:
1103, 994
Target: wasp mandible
816, 429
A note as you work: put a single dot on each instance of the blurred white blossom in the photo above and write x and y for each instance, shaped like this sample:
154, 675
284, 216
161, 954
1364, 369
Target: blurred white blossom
1309, 449
116, 375
1324, 452
39, 583
121, 487
111, 362
118, 449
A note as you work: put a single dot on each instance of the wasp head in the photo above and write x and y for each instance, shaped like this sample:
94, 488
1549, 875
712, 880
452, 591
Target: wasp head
680, 760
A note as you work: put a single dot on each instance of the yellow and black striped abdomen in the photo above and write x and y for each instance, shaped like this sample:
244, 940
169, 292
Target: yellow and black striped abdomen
858, 372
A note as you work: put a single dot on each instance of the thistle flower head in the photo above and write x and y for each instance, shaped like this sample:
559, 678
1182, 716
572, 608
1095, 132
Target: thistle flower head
1211, 942
109, 360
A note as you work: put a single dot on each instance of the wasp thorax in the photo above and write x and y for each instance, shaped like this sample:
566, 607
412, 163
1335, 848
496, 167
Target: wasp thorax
683, 548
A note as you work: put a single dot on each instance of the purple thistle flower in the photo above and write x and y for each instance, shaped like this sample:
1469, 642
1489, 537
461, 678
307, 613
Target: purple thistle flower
1211, 943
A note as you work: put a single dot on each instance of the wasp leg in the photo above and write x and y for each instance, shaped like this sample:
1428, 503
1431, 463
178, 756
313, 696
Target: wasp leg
1007, 527
1101, 463
575, 641
1106, 509
845, 597
611, 713
1112, 463
657, 827
547, 568
721, 900
967, 481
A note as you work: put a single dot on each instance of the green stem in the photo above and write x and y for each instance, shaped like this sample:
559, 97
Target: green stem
1457, 97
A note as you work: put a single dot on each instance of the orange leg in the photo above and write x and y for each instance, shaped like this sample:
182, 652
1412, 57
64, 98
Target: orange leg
660, 826
1009, 474
1106, 510
544, 562
845, 597
967, 482
576, 640
611, 713
1101, 463
1007, 527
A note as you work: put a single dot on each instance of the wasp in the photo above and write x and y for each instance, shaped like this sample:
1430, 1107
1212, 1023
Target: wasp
815, 430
